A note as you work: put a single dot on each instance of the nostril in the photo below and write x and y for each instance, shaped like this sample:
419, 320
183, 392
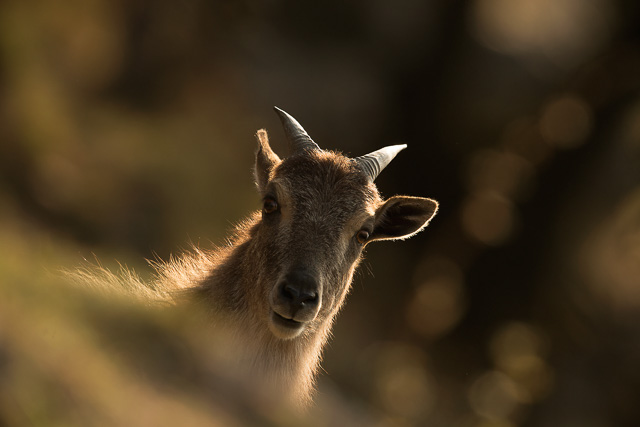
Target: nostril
308, 297
289, 292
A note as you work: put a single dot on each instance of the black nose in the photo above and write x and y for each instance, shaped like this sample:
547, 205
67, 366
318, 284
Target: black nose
298, 297
299, 290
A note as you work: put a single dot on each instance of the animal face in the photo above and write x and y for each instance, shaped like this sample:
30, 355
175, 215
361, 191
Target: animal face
319, 211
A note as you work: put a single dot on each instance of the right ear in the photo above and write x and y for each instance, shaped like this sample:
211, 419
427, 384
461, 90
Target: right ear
266, 160
401, 217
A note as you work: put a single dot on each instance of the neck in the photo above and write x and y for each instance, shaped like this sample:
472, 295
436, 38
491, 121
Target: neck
287, 367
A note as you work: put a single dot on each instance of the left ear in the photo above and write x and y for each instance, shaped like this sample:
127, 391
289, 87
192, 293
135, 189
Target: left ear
266, 160
401, 217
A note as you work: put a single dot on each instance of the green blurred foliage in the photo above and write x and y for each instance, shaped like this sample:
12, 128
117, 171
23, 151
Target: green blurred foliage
126, 133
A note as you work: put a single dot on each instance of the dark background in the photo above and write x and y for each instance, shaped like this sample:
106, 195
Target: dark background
126, 131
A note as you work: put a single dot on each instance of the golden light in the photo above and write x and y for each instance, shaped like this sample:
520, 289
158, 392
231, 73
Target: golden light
438, 301
489, 218
402, 383
564, 32
518, 350
611, 257
501, 171
494, 396
566, 122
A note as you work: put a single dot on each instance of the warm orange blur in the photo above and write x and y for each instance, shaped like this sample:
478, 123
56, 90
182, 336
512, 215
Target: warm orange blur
126, 132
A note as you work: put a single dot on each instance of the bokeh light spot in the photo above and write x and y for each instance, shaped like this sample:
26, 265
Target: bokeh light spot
501, 171
494, 396
403, 385
563, 31
438, 302
489, 218
611, 259
566, 122
518, 350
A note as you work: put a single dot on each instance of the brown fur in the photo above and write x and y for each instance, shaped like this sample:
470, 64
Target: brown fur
324, 200
327, 193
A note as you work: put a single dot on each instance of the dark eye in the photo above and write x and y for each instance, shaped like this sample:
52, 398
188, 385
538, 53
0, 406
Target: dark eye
362, 236
270, 205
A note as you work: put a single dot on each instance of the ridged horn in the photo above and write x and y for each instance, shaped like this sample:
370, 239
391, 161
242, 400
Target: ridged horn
374, 162
296, 135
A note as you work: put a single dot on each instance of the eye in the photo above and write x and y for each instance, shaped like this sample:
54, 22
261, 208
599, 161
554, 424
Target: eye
270, 205
362, 236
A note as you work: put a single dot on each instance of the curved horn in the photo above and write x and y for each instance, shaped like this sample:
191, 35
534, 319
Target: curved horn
296, 135
374, 162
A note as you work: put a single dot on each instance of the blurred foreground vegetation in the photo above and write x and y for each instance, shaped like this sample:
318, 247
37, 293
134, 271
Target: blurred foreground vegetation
126, 134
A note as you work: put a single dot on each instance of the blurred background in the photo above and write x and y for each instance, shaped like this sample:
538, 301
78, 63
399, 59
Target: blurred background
126, 132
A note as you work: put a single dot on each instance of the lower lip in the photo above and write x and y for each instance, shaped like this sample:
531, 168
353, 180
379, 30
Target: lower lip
287, 323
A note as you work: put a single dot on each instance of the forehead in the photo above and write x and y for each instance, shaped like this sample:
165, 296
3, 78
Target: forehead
325, 177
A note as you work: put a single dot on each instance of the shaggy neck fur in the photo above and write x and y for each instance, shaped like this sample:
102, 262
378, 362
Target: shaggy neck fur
285, 366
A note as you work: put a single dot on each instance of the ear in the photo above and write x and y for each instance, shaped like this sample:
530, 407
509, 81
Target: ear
401, 217
266, 160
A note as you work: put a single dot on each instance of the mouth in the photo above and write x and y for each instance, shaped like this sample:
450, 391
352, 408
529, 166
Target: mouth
285, 328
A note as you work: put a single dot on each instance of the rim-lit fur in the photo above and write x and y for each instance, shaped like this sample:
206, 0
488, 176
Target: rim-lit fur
280, 283
323, 201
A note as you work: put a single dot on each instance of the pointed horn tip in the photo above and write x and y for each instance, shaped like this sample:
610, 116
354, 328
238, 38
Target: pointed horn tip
374, 162
283, 115
393, 150
295, 133
286, 118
